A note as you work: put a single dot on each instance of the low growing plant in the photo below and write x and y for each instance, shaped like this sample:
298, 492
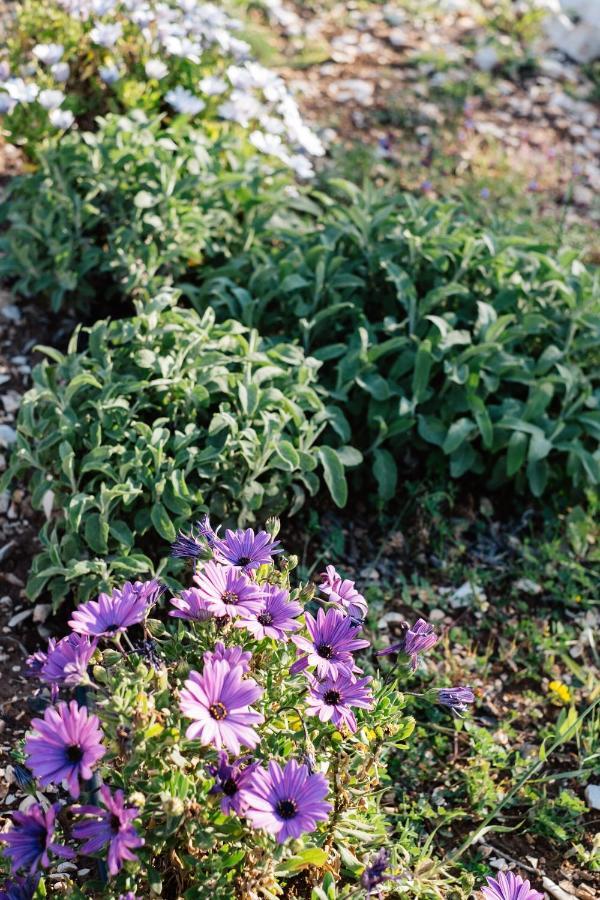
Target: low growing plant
158, 417
227, 745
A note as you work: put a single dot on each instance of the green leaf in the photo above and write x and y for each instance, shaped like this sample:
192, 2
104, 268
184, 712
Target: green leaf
386, 473
537, 476
96, 532
162, 522
335, 478
458, 433
423, 364
517, 451
432, 430
288, 455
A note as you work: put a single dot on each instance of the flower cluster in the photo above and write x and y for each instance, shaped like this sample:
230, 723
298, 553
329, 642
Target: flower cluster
188, 56
230, 716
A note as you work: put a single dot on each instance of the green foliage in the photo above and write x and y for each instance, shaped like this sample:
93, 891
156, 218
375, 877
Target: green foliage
119, 212
162, 416
476, 348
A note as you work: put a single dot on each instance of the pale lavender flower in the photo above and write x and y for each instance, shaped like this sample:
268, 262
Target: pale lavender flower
219, 703
109, 74
343, 592
111, 614
275, 617
509, 887
20, 91
30, 841
227, 591
212, 85
231, 780
60, 71
106, 34
50, 99
184, 102
235, 656
156, 68
191, 605
246, 549
110, 826
333, 698
67, 661
7, 104
332, 642
48, 54
61, 118
288, 802
65, 746
456, 698
416, 640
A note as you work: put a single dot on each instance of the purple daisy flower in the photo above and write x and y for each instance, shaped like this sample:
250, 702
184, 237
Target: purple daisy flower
343, 593
246, 549
35, 663
227, 591
109, 615
30, 841
219, 703
333, 699
235, 656
275, 617
67, 661
110, 826
456, 698
231, 780
65, 746
20, 888
333, 640
286, 802
190, 605
509, 887
416, 640
191, 546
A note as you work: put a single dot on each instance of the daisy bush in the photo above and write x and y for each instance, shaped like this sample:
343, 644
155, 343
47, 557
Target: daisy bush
70, 60
228, 739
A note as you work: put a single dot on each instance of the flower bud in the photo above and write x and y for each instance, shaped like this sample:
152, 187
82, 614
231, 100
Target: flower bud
273, 525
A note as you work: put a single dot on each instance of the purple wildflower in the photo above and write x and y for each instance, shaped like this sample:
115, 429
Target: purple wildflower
374, 874
484, 193
191, 546
456, 698
231, 780
109, 615
30, 841
246, 549
286, 802
191, 605
235, 656
20, 888
333, 639
65, 746
35, 663
219, 703
333, 699
227, 591
416, 640
343, 593
67, 661
275, 617
110, 826
509, 887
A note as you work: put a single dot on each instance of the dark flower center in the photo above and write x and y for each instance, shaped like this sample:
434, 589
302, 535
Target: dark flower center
229, 597
265, 618
243, 560
230, 787
112, 627
74, 754
332, 697
287, 809
325, 650
115, 823
217, 711
221, 621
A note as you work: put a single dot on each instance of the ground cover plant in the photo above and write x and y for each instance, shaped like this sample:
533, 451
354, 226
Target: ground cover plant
226, 741
152, 419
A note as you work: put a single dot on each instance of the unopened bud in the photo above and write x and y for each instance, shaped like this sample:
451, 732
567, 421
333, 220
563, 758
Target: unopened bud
273, 526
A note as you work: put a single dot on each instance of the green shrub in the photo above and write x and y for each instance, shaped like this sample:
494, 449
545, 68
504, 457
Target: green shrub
136, 204
478, 350
161, 417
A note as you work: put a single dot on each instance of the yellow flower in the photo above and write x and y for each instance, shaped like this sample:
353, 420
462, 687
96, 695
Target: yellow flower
561, 690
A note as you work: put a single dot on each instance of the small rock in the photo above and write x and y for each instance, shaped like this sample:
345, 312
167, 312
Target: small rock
11, 312
11, 401
592, 796
397, 38
19, 617
5, 550
528, 586
582, 195
486, 58
41, 611
8, 436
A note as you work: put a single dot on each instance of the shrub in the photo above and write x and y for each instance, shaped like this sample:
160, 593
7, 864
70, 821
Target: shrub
477, 350
119, 212
185, 720
66, 65
159, 417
